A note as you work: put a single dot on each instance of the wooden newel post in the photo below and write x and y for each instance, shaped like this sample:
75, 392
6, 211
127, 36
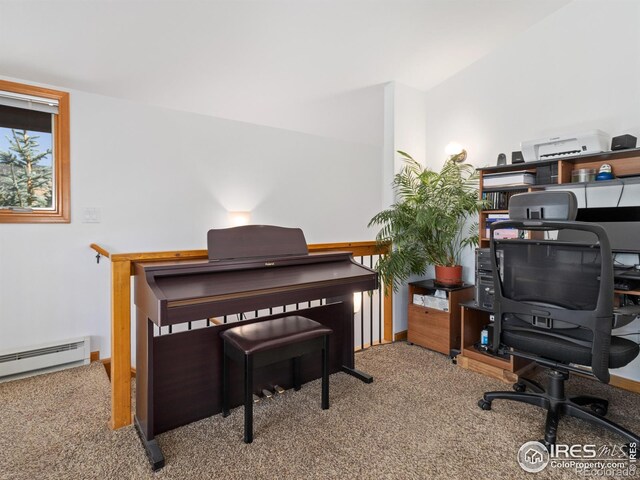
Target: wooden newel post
120, 344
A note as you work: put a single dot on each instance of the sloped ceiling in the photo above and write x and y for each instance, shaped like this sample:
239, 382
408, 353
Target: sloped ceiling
275, 63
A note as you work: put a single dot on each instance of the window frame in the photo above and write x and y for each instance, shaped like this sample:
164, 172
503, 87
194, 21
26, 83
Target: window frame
61, 162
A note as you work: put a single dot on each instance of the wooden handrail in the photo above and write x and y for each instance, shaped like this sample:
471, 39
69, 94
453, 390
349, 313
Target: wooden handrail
100, 250
121, 271
357, 248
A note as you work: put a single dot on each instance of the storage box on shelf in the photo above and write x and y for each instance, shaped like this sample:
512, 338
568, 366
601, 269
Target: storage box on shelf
429, 324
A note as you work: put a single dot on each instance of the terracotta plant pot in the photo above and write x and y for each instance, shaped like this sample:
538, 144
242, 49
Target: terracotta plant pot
449, 275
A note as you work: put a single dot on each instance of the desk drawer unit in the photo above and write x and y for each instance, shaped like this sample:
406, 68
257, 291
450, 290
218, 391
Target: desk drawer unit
432, 328
429, 328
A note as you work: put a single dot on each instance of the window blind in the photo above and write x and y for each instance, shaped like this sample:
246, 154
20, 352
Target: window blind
28, 102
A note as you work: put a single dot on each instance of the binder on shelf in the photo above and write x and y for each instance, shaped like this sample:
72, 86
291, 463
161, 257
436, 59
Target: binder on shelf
494, 217
501, 233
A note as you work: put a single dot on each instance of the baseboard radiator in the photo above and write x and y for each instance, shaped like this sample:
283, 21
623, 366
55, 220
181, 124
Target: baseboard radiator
38, 359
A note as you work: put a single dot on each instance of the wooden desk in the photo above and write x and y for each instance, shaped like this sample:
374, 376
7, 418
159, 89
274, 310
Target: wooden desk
474, 318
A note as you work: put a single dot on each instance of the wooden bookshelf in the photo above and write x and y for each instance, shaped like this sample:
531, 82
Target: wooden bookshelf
625, 165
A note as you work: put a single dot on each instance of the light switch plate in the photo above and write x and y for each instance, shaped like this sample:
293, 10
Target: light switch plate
91, 215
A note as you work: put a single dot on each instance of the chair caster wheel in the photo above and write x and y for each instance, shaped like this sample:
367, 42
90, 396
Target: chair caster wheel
599, 409
519, 387
484, 405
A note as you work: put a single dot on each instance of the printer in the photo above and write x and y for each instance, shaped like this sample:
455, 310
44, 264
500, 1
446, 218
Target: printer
592, 141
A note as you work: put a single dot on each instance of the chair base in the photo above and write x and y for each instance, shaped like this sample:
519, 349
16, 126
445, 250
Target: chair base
557, 405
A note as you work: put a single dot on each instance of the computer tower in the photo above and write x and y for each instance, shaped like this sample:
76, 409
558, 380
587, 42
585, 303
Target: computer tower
484, 278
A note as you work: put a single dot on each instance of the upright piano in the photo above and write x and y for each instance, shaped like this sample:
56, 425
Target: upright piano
258, 269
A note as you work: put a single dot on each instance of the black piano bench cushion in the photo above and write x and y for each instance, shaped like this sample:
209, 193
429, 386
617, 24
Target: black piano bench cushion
270, 334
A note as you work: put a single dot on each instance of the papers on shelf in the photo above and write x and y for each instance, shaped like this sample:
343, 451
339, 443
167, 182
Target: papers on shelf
508, 178
431, 301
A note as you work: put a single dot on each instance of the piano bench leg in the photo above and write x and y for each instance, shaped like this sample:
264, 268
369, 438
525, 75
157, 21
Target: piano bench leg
325, 372
225, 382
248, 399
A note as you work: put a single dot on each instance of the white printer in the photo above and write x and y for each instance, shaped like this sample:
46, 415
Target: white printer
592, 141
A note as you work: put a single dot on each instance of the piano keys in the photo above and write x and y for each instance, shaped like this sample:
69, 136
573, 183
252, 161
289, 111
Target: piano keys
177, 293
250, 268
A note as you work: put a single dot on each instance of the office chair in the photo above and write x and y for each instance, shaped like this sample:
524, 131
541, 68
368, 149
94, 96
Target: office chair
554, 305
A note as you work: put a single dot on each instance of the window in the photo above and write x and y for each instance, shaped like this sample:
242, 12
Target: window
34, 154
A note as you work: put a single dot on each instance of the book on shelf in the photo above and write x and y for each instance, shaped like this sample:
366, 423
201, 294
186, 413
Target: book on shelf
520, 177
498, 217
499, 200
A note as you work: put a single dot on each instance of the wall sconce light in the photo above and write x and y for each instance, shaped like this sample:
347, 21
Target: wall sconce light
238, 219
456, 152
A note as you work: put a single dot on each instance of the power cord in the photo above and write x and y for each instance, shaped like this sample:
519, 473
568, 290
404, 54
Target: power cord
620, 197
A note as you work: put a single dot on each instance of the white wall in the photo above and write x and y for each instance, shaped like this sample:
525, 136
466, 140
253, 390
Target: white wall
161, 179
405, 130
577, 69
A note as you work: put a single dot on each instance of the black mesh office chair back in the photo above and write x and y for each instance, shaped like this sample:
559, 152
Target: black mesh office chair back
554, 305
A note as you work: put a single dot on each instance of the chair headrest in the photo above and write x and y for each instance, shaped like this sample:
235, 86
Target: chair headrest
560, 206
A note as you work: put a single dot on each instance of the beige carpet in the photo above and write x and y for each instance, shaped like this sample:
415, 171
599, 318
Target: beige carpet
418, 419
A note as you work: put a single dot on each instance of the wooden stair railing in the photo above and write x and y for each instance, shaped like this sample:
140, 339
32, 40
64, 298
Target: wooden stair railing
122, 265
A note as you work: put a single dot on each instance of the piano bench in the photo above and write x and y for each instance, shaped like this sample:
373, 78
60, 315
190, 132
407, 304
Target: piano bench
270, 341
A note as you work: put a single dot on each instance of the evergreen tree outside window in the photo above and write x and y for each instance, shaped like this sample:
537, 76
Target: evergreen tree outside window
34, 154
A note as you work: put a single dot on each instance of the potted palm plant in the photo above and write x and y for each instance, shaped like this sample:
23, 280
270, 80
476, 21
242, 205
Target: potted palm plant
429, 223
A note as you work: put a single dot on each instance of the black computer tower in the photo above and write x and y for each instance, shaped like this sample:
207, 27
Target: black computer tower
484, 278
